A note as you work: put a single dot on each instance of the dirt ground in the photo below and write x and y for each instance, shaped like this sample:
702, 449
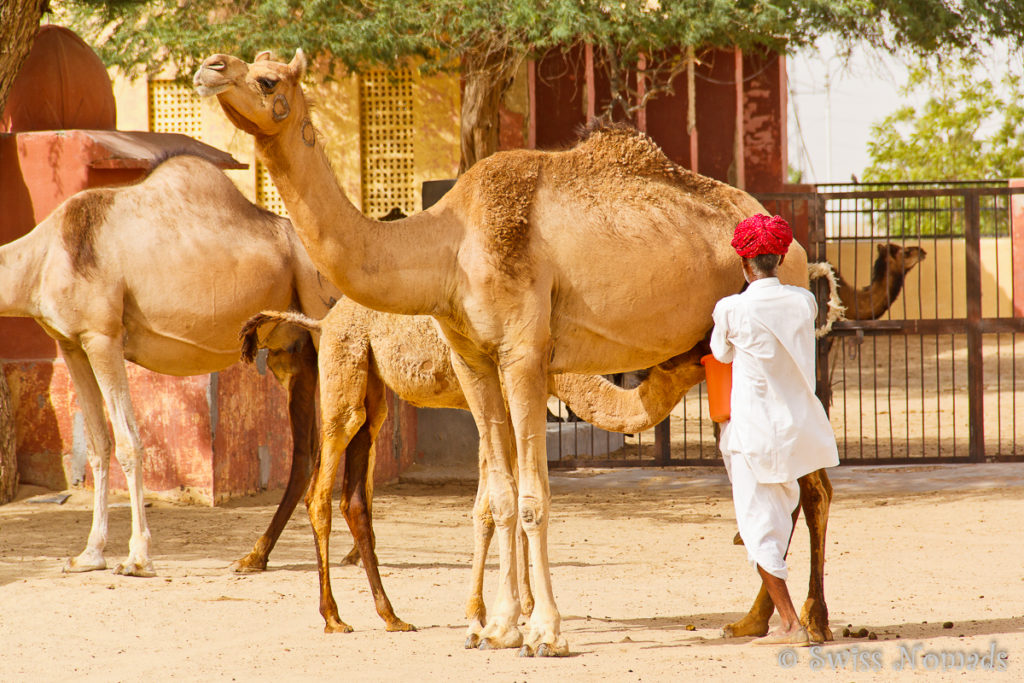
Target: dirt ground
643, 568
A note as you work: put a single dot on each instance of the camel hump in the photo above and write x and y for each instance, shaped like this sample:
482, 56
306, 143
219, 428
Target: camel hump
83, 214
622, 147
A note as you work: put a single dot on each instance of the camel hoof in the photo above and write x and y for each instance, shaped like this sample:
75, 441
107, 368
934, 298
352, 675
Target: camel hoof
546, 650
742, 630
128, 568
249, 565
337, 626
472, 641
84, 563
486, 644
814, 617
525, 651
819, 635
399, 626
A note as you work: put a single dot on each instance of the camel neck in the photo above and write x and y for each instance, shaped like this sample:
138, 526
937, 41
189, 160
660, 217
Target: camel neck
398, 266
20, 267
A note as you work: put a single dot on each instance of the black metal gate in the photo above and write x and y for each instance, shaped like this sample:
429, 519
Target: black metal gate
937, 376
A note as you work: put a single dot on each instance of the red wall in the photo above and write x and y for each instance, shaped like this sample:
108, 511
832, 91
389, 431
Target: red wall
559, 107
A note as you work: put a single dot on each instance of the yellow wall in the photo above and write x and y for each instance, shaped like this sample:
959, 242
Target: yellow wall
336, 115
936, 288
436, 106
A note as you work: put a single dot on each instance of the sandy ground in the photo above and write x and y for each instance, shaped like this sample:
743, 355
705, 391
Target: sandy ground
643, 569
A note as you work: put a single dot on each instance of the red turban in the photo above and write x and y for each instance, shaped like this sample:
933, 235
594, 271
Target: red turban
762, 235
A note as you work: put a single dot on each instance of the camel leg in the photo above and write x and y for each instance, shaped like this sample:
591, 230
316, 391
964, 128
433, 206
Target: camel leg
526, 601
525, 381
344, 368
357, 490
482, 389
296, 371
318, 505
107, 360
355, 508
483, 531
375, 422
815, 497
90, 400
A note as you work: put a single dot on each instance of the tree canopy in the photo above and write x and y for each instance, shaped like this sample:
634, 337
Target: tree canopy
147, 34
485, 40
970, 127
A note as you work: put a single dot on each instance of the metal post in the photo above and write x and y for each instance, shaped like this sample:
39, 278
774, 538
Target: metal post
975, 367
662, 442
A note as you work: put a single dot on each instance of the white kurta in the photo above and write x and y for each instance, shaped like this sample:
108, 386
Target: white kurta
777, 423
778, 430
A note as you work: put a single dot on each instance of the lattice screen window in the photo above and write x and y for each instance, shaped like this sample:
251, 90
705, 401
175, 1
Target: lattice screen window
174, 108
267, 195
386, 141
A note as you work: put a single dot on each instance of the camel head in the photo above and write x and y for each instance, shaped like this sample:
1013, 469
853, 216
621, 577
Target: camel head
262, 98
899, 259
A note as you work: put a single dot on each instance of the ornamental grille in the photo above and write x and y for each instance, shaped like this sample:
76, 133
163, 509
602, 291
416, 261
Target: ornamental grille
267, 195
174, 108
386, 141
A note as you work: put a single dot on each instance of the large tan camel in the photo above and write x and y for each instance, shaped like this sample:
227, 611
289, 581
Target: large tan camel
163, 273
600, 259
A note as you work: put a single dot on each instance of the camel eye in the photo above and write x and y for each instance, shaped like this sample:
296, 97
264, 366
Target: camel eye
267, 84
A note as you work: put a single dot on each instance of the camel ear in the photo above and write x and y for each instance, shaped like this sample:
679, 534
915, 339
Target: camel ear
882, 248
298, 64
262, 57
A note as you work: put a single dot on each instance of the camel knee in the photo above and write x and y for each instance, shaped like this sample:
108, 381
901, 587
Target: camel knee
129, 461
483, 518
532, 514
503, 512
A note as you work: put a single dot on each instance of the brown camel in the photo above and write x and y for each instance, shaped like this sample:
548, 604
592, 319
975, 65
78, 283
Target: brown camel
604, 258
163, 273
887, 276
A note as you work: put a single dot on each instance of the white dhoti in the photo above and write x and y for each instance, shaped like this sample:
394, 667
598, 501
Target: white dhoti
764, 515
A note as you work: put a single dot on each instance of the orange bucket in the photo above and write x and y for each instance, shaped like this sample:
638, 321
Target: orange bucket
719, 377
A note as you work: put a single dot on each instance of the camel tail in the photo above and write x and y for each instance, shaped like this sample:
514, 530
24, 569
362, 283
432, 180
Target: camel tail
250, 331
836, 309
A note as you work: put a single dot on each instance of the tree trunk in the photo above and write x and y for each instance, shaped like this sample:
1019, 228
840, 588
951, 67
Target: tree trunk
487, 72
19, 22
8, 456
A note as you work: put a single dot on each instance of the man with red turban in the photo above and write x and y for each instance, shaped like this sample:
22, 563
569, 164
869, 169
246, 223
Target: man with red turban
778, 430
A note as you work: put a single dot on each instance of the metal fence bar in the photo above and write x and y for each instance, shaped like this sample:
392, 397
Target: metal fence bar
927, 423
975, 367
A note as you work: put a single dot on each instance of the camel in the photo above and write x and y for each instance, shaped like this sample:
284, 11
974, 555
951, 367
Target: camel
603, 258
362, 351
163, 273
887, 275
